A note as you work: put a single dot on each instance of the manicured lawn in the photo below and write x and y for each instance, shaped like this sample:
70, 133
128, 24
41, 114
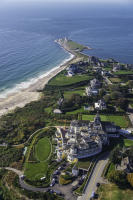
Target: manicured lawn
68, 94
62, 80
122, 72
84, 163
113, 192
76, 111
34, 171
128, 143
115, 80
121, 121
43, 149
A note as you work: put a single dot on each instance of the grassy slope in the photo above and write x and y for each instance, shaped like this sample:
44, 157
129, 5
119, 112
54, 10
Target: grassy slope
43, 149
61, 80
121, 121
112, 192
128, 143
122, 72
115, 80
34, 171
75, 46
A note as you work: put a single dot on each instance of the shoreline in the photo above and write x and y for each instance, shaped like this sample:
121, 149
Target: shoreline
27, 95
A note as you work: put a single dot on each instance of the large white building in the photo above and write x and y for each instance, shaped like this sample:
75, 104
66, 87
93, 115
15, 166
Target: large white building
84, 139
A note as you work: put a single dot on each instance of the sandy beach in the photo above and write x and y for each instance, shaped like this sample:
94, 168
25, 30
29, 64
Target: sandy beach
25, 96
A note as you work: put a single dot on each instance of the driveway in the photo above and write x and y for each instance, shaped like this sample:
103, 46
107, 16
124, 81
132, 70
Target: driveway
95, 177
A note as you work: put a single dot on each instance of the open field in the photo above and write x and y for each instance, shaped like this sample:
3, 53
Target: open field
75, 46
128, 143
80, 110
115, 80
35, 170
84, 163
122, 121
113, 192
61, 80
122, 72
43, 149
68, 94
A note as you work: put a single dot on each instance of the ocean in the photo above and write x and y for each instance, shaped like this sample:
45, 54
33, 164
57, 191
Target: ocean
27, 34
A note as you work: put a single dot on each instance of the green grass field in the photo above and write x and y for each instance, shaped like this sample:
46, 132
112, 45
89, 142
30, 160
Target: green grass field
84, 163
68, 94
121, 121
43, 149
34, 171
123, 72
62, 80
80, 110
75, 46
113, 192
128, 143
115, 80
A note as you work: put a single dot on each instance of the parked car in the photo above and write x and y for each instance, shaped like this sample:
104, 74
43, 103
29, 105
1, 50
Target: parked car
81, 181
74, 187
52, 182
98, 184
95, 196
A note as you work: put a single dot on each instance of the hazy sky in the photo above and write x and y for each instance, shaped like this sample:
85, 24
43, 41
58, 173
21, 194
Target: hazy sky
91, 1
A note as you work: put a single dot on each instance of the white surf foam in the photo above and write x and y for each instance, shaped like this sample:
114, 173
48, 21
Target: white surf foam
26, 84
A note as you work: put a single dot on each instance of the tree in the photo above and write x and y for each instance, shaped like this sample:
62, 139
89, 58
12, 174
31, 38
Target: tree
116, 156
130, 84
122, 103
118, 177
107, 98
130, 179
116, 95
102, 93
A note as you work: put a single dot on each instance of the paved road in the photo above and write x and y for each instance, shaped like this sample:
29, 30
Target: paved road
66, 190
18, 172
95, 177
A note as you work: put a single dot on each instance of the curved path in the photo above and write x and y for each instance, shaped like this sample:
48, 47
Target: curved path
17, 145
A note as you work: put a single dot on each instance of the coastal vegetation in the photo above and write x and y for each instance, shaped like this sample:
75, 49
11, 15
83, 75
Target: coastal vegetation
31, 126
113, 192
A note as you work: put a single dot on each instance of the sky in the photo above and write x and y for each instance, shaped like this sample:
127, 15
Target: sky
91, 1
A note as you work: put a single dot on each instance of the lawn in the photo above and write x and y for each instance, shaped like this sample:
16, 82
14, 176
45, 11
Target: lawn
122, 121
115, 80
68, 94
124, 72
128, 143
113, 192
34, 171
84, 163
62, 80
80, 110
74, 46
43, 149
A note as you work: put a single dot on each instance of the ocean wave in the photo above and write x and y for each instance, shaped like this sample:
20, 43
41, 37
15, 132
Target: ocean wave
26, 84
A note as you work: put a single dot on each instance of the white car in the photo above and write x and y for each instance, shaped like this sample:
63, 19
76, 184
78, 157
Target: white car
52, 183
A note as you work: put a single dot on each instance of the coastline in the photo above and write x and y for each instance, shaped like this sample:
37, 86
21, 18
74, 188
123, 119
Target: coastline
27, 95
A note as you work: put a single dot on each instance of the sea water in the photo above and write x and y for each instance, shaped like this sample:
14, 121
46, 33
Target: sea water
27, 33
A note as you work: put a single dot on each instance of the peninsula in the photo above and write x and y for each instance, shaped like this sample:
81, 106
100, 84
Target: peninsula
76, 140
33, 92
